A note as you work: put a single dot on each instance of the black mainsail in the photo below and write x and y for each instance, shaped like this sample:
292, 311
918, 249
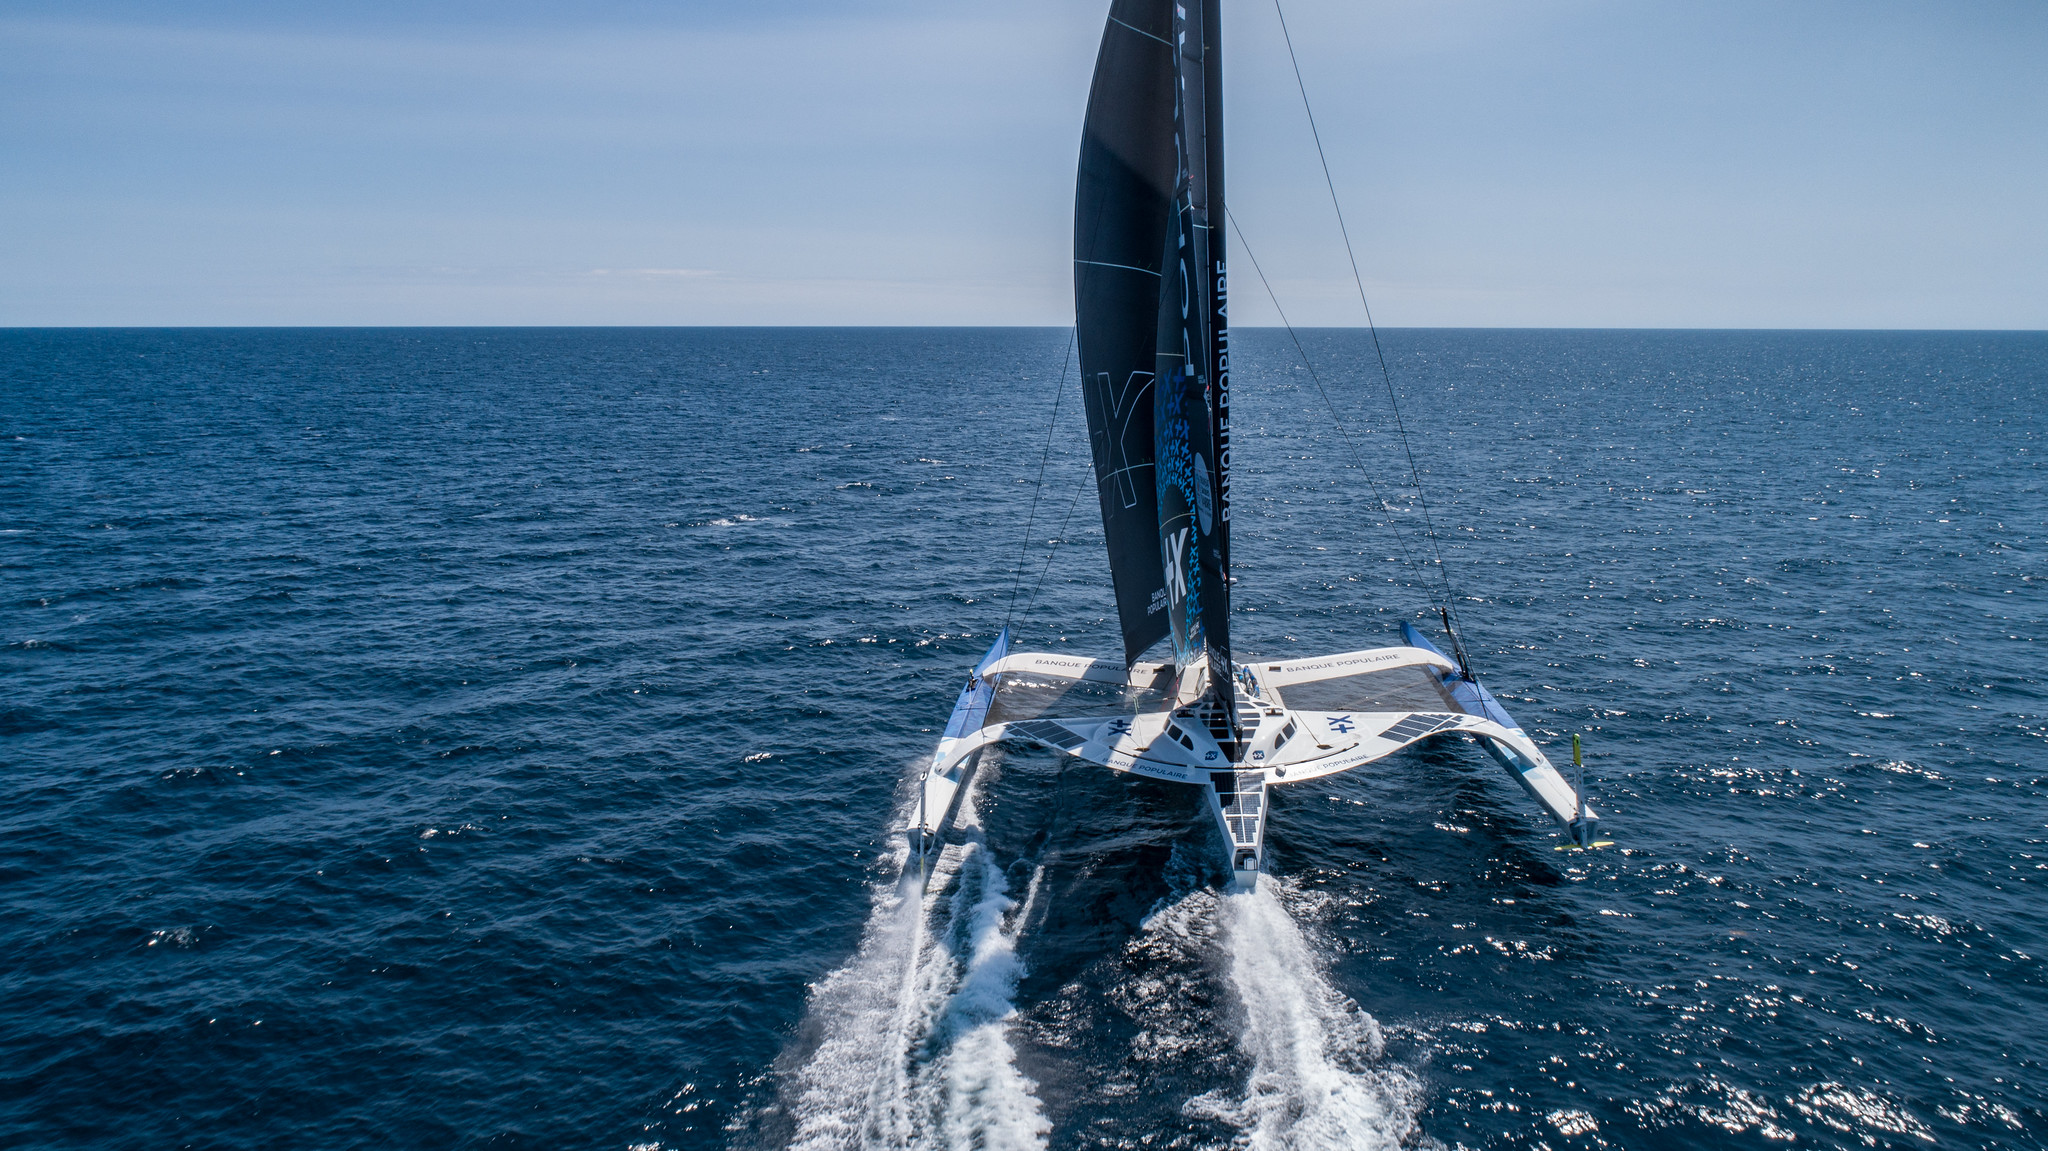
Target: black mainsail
1151, 317
1123, 203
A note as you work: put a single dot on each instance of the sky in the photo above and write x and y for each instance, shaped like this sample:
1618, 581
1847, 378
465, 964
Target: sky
1518, 163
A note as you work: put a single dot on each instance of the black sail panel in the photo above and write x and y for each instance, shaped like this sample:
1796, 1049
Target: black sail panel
1122, 208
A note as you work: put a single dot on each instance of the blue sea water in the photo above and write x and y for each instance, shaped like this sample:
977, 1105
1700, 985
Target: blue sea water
494, 738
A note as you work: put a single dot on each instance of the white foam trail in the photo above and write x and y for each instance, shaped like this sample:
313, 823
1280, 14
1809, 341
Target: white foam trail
849, 1091
1314, 1081
914, 1050
986, 1104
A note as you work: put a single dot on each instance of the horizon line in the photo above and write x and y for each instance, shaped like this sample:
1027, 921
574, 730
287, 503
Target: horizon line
11, 328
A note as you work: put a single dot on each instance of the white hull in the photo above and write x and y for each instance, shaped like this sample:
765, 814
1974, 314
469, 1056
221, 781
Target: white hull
1178, 738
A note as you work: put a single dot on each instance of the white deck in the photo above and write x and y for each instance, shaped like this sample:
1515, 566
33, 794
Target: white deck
1175, 739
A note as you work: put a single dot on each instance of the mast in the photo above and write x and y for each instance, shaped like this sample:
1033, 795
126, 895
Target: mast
1191, 404
1219, 327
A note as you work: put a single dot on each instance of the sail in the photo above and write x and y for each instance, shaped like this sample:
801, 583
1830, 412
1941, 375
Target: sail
1190, 402
1122, 208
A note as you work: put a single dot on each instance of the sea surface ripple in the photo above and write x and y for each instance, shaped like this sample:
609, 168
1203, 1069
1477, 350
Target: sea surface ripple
494, 738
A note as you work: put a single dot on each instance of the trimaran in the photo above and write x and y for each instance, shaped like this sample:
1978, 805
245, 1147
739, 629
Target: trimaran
1150, 308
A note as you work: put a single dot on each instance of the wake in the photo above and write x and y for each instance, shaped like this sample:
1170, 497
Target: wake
912, 1047
1316, 1079
913, 1050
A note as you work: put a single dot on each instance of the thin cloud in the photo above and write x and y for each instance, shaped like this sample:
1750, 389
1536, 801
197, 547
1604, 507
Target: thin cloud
654, 272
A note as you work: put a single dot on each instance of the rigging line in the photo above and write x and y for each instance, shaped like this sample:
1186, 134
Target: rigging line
1336, 420
1056, 542
1024, 545
1414, 472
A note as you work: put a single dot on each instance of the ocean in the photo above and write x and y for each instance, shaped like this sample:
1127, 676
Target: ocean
500, 738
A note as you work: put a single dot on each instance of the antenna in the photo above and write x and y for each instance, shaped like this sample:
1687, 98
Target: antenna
1579, 831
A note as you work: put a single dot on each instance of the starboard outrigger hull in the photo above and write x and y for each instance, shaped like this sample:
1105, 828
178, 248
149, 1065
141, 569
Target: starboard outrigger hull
1295, 720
